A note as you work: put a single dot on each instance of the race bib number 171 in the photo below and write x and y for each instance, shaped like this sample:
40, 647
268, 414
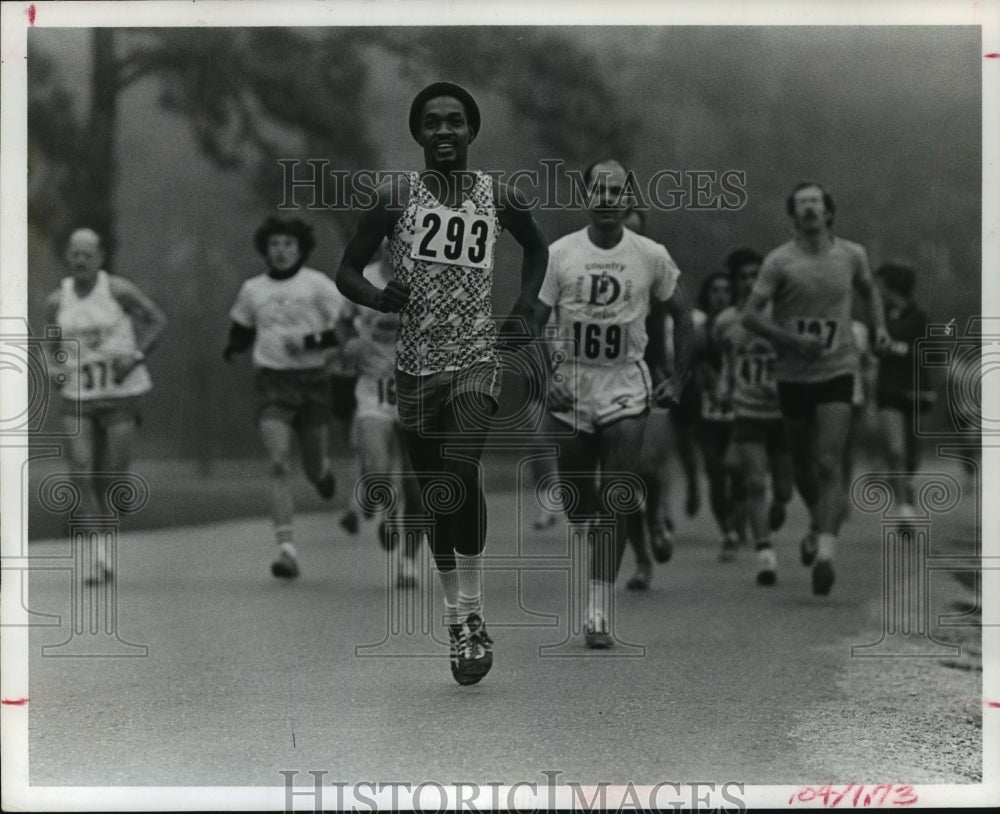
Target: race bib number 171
453, 238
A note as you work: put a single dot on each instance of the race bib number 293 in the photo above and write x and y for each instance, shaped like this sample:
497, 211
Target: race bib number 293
453, 238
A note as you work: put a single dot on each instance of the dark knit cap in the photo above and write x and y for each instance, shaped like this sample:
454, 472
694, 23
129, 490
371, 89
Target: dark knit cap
444, 89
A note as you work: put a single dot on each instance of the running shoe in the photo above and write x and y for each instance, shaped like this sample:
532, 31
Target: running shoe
822, 577
285, 566
808, 548
661, 541
326, 486
729, 546
767, 566
640, 581
101, 575
387, 543
776, 516
596, 636
349, 522
471, 650
407, 576
544, 520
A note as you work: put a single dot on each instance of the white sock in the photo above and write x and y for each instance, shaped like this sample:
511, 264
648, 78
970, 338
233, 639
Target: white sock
470, 584
825, 544
288, 548
598, 595
449, 583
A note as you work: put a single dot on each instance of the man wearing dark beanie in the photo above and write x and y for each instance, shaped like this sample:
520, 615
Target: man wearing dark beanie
442, 225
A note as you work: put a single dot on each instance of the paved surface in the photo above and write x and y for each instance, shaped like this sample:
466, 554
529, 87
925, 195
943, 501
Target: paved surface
246, 676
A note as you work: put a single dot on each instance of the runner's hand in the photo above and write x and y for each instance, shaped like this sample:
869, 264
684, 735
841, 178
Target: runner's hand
808, 346
121, 366
560, 396
667, 392
513, 334
884, 344
294, 343
393, 298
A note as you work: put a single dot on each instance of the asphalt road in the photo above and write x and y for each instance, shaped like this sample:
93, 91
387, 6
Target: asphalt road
713, 678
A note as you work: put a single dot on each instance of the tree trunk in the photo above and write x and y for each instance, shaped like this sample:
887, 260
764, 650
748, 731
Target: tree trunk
98, 167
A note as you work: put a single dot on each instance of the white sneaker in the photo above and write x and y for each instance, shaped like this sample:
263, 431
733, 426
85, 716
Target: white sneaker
544, 520
596, 635
407, 577
767, 566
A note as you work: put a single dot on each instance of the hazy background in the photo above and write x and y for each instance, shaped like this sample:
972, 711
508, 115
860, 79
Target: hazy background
888, 118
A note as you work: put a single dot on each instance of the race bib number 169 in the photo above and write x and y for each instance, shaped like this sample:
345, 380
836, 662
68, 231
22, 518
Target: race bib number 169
453, 238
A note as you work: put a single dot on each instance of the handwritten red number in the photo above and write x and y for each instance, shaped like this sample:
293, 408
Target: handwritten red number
842, 795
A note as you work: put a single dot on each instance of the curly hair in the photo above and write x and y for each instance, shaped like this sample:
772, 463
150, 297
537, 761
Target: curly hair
298, 229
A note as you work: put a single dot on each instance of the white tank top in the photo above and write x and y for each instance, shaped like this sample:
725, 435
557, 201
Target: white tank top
96, 330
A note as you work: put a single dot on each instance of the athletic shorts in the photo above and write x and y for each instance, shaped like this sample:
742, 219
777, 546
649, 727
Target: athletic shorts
342, 397
421, 400
716, 434
799, 399
767, 431
376, 398
106, 412
300, 398
606, 394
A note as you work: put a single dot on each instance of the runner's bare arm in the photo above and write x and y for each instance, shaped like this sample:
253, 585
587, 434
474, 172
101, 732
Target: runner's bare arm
51, 319
679, 308
241, 337
374, 225
756, 317
864, 286
728, 379
515, 215
147, 318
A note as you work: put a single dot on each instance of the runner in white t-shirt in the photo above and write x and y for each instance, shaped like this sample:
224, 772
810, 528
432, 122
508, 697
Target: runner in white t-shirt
600, 284
289, 314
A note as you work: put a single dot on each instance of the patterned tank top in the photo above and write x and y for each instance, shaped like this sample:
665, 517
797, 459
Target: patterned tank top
446, 256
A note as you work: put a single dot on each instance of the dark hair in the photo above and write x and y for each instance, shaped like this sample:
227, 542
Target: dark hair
831, 207
298, 229
738, 258
436, 90
706, 285
898, 277
588, 174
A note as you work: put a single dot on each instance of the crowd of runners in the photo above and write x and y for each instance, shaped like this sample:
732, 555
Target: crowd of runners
756, 387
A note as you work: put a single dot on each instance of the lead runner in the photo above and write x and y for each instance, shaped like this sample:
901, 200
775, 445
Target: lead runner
442, 224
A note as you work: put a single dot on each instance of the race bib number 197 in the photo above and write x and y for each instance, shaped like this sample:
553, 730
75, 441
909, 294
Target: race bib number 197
453, 238
825, 329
